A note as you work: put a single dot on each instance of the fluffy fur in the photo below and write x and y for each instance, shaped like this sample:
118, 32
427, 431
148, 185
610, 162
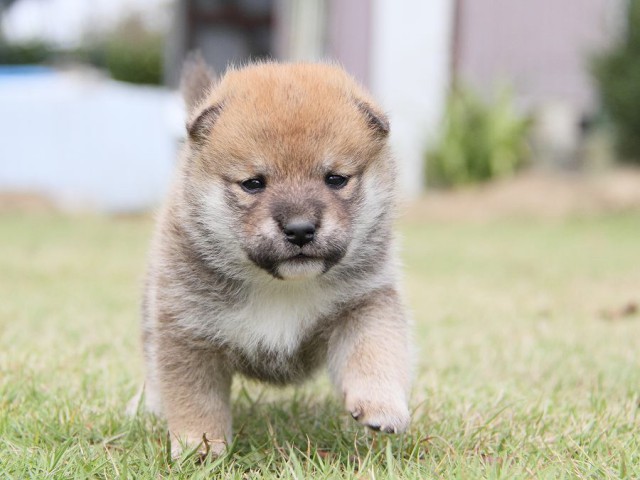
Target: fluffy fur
227, 293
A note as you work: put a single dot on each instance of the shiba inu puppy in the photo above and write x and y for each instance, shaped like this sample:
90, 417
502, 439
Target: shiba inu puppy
273, 253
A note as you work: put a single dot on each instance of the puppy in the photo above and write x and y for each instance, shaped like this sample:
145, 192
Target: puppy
273, 253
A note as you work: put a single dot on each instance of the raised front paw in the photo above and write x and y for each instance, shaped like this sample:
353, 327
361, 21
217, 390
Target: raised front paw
385, 413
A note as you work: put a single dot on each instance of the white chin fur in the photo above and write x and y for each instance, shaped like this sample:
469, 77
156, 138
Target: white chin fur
297, 270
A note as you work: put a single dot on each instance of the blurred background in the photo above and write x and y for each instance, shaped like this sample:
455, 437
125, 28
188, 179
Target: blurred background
516, 124
477, 90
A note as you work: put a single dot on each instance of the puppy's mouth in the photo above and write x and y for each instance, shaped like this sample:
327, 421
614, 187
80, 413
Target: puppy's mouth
302, 257
300, 265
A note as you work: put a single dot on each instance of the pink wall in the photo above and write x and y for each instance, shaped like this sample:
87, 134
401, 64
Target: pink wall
349, 35
541, 47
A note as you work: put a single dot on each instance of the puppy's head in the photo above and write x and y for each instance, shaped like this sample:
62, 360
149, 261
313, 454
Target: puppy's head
286, 169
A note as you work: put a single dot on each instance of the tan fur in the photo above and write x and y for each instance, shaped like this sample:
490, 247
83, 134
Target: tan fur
226, 291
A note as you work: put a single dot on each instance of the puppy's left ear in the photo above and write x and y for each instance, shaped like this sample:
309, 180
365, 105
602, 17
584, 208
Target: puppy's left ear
197, 79
377, 121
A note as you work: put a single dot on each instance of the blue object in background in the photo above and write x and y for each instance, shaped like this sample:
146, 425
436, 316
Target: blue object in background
24, 70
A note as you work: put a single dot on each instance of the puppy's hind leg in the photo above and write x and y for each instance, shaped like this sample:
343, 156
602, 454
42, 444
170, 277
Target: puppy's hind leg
146, 399
369, 361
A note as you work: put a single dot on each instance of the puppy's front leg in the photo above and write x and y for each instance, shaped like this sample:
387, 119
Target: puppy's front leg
195, 386
369, 361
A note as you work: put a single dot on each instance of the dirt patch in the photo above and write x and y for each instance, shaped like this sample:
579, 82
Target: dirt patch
25, 202
533, 194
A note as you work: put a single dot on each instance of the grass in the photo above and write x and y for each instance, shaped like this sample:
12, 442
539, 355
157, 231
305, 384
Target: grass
520, 374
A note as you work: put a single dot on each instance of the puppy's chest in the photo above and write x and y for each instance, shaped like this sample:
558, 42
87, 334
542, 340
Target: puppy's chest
274, 321
280, 366
278, 336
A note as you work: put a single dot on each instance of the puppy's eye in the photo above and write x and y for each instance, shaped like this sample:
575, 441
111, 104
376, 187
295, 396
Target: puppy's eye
254, 185
336, 181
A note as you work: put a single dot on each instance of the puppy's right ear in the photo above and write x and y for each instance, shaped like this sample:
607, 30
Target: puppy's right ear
197, 79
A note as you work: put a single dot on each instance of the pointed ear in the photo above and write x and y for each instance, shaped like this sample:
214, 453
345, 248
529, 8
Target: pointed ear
197, 79
377, 121
199, 128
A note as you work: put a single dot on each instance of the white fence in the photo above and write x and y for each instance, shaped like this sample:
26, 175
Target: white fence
85, 141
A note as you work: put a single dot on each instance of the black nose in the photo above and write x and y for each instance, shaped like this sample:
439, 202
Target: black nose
300, 232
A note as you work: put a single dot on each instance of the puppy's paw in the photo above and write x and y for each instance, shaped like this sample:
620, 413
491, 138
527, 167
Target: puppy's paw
389, 414
204, 446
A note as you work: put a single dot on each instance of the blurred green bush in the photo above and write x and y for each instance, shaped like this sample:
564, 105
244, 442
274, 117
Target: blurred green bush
25, 53
131, 52
479, 141
617, 74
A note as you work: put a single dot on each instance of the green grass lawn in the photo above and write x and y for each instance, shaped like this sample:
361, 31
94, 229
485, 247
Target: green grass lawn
524, 368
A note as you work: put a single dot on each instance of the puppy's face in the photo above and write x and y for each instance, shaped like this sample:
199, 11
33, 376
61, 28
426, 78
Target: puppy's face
290, 166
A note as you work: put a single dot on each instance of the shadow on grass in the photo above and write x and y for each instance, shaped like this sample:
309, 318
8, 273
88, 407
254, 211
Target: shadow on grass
317, 429
280, 431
